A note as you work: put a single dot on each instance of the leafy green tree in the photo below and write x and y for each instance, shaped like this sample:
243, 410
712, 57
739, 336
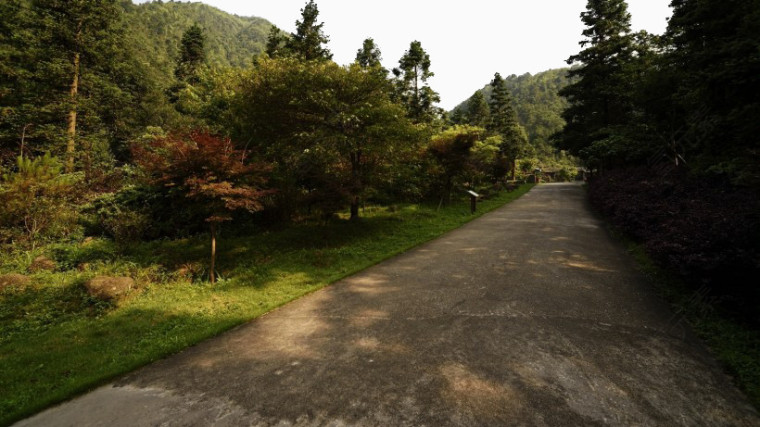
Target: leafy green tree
412, 75
487, 164
369, 55
504, 122
192, 54
209, 172
308, 41
478, 111
328, 129
600, 96
451, 151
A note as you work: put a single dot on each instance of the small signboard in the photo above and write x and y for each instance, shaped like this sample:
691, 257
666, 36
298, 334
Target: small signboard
473, 194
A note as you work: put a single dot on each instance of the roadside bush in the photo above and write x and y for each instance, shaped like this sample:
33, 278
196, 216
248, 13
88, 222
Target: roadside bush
36, 200
706, 232
566, 174
142, 213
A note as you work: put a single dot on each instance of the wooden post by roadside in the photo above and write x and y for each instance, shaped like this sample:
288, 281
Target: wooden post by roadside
473, 200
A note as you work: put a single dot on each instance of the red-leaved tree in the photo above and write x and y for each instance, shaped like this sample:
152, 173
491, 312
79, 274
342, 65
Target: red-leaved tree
209, 172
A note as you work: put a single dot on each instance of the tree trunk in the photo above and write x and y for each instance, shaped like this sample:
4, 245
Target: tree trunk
447, 192
355, 208
356, 184
513, 167
71, 131
23, 139
213, 253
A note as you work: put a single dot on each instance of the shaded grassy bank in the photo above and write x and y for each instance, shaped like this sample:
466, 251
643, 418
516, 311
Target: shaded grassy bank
696, 241
56, 341
735, 344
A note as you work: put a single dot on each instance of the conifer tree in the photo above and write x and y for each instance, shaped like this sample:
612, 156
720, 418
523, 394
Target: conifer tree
78, 46
308, 41
504, 122
369, 55
478, 111
411, 84
14, 75
600, 97
192, 54
716, 51
276, 41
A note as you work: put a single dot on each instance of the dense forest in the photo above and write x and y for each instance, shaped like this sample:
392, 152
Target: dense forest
127, 57
163, 119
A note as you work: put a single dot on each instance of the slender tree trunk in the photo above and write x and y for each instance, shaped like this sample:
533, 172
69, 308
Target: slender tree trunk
513, 167
23, 139
416, 85
356, 159
213, 253
71, 131
354, 207
447, 192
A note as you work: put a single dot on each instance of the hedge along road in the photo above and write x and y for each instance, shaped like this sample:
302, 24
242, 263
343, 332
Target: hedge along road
530, 315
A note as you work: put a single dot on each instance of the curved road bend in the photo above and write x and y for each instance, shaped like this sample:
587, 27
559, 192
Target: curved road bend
530, 315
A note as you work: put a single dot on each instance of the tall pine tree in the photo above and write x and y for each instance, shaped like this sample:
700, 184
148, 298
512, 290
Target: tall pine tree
478, 111
192, 54
504, 123
78, 54
600, 97
276, 40
411, 84
308, 41
369, 55
16, 62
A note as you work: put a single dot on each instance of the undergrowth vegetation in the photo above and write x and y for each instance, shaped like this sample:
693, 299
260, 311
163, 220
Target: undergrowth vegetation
705, 232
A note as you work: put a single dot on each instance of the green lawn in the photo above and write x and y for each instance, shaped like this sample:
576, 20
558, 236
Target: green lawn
56, 341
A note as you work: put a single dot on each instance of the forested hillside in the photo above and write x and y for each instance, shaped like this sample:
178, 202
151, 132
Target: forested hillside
157, 29
536, 100
538, 107
124, 58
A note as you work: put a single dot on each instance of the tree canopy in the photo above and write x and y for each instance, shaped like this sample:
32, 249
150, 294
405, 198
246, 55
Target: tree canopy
308, 41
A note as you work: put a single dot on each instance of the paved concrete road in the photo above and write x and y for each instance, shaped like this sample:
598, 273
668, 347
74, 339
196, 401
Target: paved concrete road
530, 315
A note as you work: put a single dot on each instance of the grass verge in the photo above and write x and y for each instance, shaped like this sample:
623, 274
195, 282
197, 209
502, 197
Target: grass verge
734, 344
56, 341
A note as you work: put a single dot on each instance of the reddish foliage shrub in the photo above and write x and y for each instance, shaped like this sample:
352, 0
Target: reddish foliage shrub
706, 232
205, 169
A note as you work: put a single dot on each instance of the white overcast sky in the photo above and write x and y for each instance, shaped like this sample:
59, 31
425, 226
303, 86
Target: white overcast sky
468, 41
